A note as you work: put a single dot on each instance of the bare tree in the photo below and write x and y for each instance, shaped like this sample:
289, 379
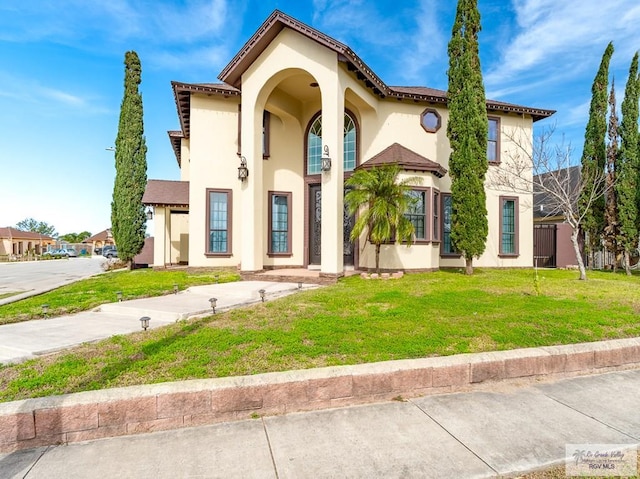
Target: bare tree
546, 170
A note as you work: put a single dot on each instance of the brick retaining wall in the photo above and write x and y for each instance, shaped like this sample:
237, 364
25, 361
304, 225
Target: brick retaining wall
140, 409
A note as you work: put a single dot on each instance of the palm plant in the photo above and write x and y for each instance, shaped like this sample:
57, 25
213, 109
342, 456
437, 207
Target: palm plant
382, 202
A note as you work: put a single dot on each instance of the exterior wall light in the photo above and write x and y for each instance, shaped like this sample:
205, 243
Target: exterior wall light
243, 171
262, 292
144, 322
119, 296
149, 213
213, 302
326, 159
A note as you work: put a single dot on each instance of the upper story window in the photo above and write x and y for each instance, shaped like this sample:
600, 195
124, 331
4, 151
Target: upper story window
493, 140
430, 120
314, 144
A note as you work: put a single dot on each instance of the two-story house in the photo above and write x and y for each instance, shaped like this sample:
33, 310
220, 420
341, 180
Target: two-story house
264, 156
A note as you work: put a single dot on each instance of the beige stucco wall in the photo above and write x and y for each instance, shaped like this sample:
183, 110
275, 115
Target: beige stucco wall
209, 160
185, 160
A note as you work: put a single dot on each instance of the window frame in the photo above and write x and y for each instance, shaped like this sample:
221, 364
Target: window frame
516, 227
270, 231
491, 118
436, 229
426, 191
219, 254
445, 254
347, 173
438, 124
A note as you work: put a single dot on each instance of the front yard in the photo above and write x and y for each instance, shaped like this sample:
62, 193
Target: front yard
353, 321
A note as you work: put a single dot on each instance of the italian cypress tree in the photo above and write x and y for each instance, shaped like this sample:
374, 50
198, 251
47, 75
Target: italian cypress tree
594, 157
627, 183
467, 130
128, 219
612, 228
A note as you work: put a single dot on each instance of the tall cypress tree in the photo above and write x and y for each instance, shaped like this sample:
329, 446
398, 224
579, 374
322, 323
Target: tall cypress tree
594, 156
467, 130
128, 219
627, 184
612, 226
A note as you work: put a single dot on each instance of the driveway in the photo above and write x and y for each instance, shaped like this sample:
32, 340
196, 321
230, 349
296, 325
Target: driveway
34, 277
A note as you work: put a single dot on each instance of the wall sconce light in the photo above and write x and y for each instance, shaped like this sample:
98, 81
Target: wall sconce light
243, 171
119, 296
144, 322
45, 310
149, 213
326, 159
262, 292
213, 302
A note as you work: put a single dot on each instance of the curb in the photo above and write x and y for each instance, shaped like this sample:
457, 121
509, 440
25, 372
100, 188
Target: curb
141, 409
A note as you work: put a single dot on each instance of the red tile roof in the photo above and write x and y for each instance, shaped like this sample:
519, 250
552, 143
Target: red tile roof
102, 236
166, 193
405, 158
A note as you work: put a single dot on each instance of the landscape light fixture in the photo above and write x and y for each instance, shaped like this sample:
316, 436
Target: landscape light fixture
45, 309
243, 171
217, 278
326, 159
119, 296
144, 322
213, 302
175, 288
262, 291
299, 285
149, 214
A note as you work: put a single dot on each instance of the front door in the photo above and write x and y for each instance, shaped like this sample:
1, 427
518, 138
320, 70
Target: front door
315, 229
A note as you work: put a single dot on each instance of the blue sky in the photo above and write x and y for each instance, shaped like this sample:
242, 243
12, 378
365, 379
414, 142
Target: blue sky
61, 75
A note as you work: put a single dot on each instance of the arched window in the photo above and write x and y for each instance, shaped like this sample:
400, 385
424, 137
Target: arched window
314, 145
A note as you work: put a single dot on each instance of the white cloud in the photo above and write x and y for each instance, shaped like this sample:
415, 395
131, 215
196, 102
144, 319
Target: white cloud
405, 41
563, 36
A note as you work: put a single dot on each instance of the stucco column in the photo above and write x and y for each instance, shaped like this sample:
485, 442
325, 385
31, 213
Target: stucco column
251, 190
160, 236
333, 180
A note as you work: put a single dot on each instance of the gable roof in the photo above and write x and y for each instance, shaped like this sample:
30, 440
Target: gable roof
104, 235
405, 158
10, 232
231, 75
166, 193
568, 182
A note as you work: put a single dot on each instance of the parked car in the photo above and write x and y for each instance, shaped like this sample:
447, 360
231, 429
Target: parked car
61, 253
110, 252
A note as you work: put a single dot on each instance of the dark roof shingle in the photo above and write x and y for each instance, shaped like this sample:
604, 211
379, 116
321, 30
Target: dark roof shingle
166, 193
405, 158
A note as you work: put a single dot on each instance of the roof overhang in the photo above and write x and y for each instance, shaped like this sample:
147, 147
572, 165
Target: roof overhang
166, 193
406, 159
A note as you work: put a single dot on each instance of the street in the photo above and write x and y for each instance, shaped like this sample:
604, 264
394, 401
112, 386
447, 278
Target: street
33, 277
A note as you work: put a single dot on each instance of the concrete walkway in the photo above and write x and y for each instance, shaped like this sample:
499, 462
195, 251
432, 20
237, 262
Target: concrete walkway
21, 341
508, 430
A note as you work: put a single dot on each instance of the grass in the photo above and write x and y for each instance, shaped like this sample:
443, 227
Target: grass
354, 321
90, 293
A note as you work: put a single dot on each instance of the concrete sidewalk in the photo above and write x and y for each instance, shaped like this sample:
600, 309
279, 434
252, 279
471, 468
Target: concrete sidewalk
513, 428
21, 341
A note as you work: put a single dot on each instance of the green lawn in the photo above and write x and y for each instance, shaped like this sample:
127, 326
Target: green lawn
353, 321
100, 289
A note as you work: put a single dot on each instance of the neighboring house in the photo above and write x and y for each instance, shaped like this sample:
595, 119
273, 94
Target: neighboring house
552, 247
264, 155
100, 240
14, 242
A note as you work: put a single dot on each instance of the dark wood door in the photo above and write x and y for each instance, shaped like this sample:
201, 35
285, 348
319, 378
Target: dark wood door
315, 229
315, 224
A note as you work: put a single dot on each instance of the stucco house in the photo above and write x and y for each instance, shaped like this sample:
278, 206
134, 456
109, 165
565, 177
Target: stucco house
263, 157
14, 242
100, 240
